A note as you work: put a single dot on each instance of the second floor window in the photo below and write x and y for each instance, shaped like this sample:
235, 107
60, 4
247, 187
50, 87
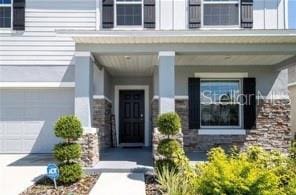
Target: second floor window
5, 13
129, 12
220, 12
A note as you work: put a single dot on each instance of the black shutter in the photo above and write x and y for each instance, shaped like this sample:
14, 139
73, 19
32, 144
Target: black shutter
194, 13
194, 103
19, 14
249, 90
108, 14
247, 13
149, 13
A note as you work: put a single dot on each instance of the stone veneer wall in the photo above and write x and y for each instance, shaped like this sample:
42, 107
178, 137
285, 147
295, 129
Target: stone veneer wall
154, 112
272, 125
90, 149
272, 128
102, 110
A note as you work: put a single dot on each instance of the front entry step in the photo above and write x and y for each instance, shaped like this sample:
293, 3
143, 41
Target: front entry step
119, 167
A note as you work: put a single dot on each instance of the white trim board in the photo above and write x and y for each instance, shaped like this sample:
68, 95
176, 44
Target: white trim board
117, 88
221, 75
292, 84
221, 132
101, 97
36, 84
177, 97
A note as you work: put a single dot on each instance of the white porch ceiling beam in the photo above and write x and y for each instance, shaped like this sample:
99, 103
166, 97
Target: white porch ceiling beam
206, 49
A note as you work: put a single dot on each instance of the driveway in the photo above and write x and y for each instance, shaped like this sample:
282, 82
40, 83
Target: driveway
17, 172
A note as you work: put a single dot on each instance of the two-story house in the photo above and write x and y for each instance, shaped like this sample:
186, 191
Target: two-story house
220, 64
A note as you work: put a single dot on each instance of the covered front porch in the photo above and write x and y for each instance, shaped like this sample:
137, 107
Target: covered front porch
123, 81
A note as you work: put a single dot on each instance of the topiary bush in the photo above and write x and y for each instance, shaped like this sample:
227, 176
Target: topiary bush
68, 127
169, 123
70, 172
165, 164
168, 147
68, 153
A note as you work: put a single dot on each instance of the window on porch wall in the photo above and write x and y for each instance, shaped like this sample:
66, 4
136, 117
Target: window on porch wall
221, 13
129, 12
220, 106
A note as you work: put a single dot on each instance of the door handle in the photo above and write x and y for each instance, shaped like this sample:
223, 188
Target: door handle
141, 115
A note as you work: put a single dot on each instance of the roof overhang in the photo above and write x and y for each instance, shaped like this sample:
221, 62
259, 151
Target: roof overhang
183, 37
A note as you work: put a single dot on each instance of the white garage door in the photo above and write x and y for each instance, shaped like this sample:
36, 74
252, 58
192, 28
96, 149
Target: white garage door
27, 117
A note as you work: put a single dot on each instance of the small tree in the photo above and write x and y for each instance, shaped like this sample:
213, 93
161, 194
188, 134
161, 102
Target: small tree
68, 153
169, 124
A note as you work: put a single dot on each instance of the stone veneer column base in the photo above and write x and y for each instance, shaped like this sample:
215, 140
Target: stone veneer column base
157, 137
272, 128
102, 120
154, 112
90, 148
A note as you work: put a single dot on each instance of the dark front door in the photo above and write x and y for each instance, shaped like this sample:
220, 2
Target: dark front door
131, 116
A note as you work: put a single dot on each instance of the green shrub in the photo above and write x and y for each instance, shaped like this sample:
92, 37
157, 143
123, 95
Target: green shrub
68, 127
172, 182
252, 172
70, 172
240, 175
168, 147
165, 163
169, 123
67, 151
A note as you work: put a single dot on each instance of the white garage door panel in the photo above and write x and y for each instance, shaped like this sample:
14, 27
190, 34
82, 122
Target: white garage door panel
27, 117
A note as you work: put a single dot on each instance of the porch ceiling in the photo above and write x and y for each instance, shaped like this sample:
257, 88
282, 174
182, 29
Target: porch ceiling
143, 64
128, 65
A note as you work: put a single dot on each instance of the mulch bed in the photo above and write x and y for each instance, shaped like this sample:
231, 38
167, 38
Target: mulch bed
152, 187
45, 187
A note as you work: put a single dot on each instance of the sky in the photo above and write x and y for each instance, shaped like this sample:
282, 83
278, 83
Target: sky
292, 14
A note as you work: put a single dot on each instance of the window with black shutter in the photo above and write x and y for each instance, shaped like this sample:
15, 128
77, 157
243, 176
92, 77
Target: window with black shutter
220, 13
6, 14
222, 103
129, 12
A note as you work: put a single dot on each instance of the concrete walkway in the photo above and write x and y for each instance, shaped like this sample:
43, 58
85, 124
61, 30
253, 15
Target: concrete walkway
120, 184
17, 172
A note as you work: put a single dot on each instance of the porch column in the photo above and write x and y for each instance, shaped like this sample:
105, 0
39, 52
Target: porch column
83, 88
166, 81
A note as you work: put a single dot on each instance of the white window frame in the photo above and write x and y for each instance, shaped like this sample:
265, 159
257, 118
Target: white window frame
203, 2
122, 27
11, 15
240, 106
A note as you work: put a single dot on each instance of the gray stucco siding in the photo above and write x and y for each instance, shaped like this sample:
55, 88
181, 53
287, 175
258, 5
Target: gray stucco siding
37, 73
267, 79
